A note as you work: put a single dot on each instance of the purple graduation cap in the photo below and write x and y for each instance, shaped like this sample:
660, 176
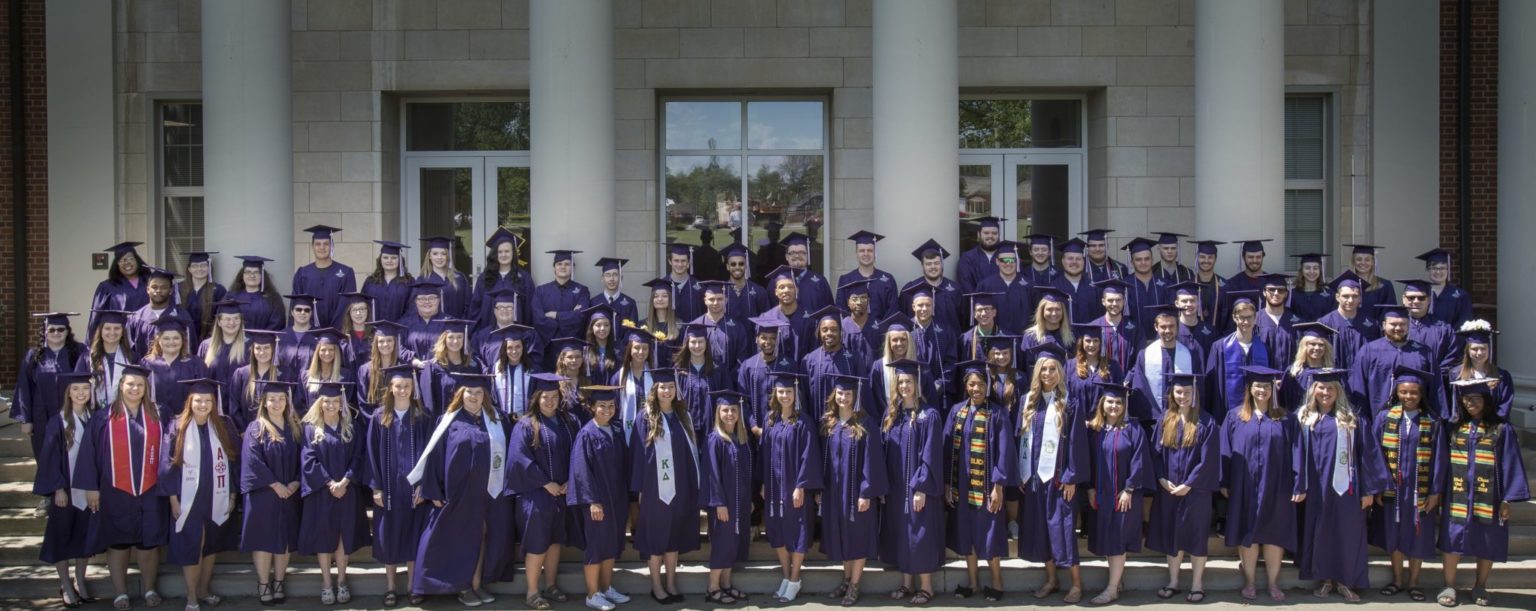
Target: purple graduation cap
921, 289
1073, 246
796, 239
391, 247
717, 287
277, 387
1391, 310
694, 329
1000, 342
461, 326
1254, 245
1478, 332
301, 300
908, 367
828, 312
894, 322
1052, 294
326, 335
1435, 255
988, 222
1206, 247
201, 256
612, 264
64, 379
1186, 288
386, 328
562, 344
171, 320
1330, 374
856, 287
466, 379
1260, 373
596, 394
931, 248
786, 378
1310, 257
1416, 285
331, 389
1139, 244
782, 272
545, 381
601, 310
56, 319
1363, 249
1048, 350
768, 324
206, 386
112, 317
978, 367
1008, 247
1091, 330
1095, 235
263, 337
1403, 374
1348, 279
865, 237
727, 397
1252, 297
426, 287
663, 375
1113, 389
1113, 285
1314, 329
321, 232
122, 248
1168, 238
1184, 379
258, 263
735, 249
562, 254
356, 297
1482, 387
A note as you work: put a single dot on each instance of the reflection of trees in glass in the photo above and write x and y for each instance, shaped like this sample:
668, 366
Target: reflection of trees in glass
491, 126
787, 189
513, 196
994, 123
696, 189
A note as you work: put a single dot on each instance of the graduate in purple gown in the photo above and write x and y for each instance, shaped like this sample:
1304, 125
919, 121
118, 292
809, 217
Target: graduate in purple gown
700, 376
124, 288
598, 495
450, 355
664, 472
1122, 473
631, 377
1450, 303
726, 477
744, 298
325, 278
979, 463
1100, 265
935, 343
383, 353
729, 337
1375, 290
333, 463
912, 529
680, 283
1487, 475
1276, 321
1144, 288
612, 292
252, 288
110, 349
1352, 328
513, 370
503, 272
269, 485
983, 324
1340, 472
798, 337
169, 361
1186, 461
299, 336
118, 467
754, 378
949, 304
38, 394
980, 262
424, 322
1312, 298
325, 365
1089, 364
1433, 332
1156, 364
1122, 333
1476, 362
882, 286
1224, 381
1258, 478
197, 467
570, 364
1074, 281
470, 534
355, 344
853, 481
225, 350
1370, 377
791, 471
501, 308
895, 344
390, 283
1051, 324
832, 356
1314, 351
814, 291
539, 473
1413, 443
395, 440
1195, 331
242, 395
1014, 302
557, 304
141, 322
67, 534
605, 337
438, 264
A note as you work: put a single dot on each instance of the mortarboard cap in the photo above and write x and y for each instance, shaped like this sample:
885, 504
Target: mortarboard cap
1310, 257
782, 272
1314, 329
262, 337
1474, 387
111, 317
1259, 373
1040, 239
906, 367
1163, 309
465, 379
1048, 350
390, 247
321, 232
865, 237
856, 287
64, 379
988, 222
1362, 249
895, 322
278, 387
1187, 287
1139, 244
1330, 375
768, 324
1416, 285
386, 328
201, 386
727, 397
1385, 310
198, 256
301, 299
786, 377
734, 249
931, 248
965, 368
846, 382
1049, 293
1254, 245
256, 261
1183, 379
610, 263
123, 248
326, 335
1167, 238
919, 289
828, 312
714, 286
1436, 255
547, 381
331, 389
1404, 374
1073, 246
1252, 297
1095, 235
601, 393
1206, 247
502, 234
663, 375
58, 319
796, 239
562, 254
405, 371
1113, 389
1113, 285
562, 344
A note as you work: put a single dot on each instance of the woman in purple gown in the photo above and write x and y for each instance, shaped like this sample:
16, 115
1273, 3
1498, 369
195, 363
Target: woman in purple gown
269, 483
110, 349
1122, 473
196, 473
438, 264
125, 288
450, 355
66, 537
242, 395
470, 535
1487, 475
598, 494
631, 377
854, 479
1258, 478
169, 361
225, 350
384, 352
727, 481
791, 471
259, 300
912, 530
664, 472
390, 283
1477, 363
602, 355
396, 439
118, 468
38, 395
539, 474
1186, 451
702, 376
979, 463
332, 460
1052, 460
1333, 545
1407, 518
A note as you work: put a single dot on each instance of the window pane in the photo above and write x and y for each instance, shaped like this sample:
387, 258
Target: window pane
975, 201
784, 125
447, 209
466, 126
1304, 131
993, 124
703, 192
703, 125
181, 128
787, 189
513, 204
183, 229
1304, 222
1044, 196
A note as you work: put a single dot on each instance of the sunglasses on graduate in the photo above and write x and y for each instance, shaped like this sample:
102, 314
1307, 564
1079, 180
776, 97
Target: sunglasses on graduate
57, 329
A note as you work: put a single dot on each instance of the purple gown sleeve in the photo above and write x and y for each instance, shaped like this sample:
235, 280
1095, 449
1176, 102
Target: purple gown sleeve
169, 483
314, 476
1005, 466
713, 465
1299, 458
1372, 466
874, 484
637, 456
21, 405
809, 475
583, 483
1141, 477
52, 461
255, 473
1206, 474
1512, 467
1439, 461
1079, 465
928, 476
524, 472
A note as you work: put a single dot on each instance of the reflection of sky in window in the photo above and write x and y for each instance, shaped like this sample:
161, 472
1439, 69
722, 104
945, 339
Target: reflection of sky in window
691, 125
784, 125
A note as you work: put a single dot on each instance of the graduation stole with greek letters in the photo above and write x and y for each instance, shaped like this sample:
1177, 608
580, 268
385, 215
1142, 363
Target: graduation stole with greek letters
976, 456
1469, 502
121, 448
1391, 445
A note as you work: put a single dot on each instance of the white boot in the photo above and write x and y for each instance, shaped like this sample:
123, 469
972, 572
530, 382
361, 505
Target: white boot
779, 594
791, 590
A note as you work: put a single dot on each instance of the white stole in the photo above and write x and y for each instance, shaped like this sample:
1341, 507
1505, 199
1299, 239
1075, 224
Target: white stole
1050, 445
631, 398
191, 476
1341, 458
1154, 369
511, 388
497, 478
76, 495
666, 468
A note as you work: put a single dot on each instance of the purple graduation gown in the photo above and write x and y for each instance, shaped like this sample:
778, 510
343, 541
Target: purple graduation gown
664, 527
1444, 346
1293, 388
67, 535
1143, 295
1370, 377
258, 312
792, 459
1333, 531
882, 292
974, 266
566, 301
240, 406
437, 383
1120, 341
1396, 523
391, 453
1183, 523
1312, 305
420, 334
693, 391
949, 306
935, 347
600, 475
1224, 373
1146, 404
223, 368
326, 285
913, 541
854, 469
1384, 293
268, 523
456, 294
624, 308
1122, 459
1047, 521
820, 365
327, 520
200, 535
1013, 304
1083, 297
727, 479
753, 381
815, 293
142, 520
456, 474
391, 300
1452, 305
746, 302
1490, 540
798, 337
1082, 393
542, 518
1259, 474
165, 377
124, 296
1350, 335
38, 397
481, 305
728, 339
687, 297
974, 530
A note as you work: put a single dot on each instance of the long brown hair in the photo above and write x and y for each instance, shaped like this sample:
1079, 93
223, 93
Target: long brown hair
67, 412
184, 294
376, 366
653, 421
215, 421
1173, 416
1101, 420
897, 405
269, 428
1273, 411
561, 413
146, 404
1080, 360
829, 419
387, 410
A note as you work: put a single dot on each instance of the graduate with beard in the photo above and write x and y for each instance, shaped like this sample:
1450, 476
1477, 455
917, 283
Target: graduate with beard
1370, 376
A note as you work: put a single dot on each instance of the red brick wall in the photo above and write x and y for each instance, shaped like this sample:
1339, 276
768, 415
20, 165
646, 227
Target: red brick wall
1484, 148
35, 109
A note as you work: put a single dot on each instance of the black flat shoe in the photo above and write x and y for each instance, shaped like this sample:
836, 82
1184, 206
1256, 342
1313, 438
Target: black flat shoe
673, 599
661, 600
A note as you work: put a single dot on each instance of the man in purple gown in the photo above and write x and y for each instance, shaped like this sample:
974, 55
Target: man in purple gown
978, 263
814, 290
1276, 321
558, 304
1015, 305
950, 307
1155, 366
1352, 330
744, 298
325, 278
1073, 281
882, 286
1370, 377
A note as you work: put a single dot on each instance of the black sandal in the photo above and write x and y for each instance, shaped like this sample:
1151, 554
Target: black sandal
391, 599
1417, 594
736, 594
1166, 593
1195, 596
964, 592
993, 595
1391, 589
719, 597
921, 598
279, 591
264, 594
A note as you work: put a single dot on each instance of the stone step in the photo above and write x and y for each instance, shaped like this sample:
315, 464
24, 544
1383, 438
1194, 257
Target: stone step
1222, 579
17, 494
20, 521
17, 469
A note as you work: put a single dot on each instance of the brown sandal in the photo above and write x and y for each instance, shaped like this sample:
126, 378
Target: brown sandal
901, 593
921, 598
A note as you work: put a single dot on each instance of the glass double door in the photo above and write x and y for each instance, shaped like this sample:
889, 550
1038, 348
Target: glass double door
466, 199
1036, 192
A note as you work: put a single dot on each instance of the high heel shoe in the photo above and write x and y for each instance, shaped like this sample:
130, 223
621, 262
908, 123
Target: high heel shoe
70, 597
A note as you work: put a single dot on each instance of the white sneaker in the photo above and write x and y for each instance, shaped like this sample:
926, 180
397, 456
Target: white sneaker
791, 590
614, 596
1013, 530
779, 594
599, 602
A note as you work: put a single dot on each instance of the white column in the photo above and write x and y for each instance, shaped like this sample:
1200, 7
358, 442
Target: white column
1517, 189
916, 117
571, 91
248, 136
1405, 158
81, 174
1240, 124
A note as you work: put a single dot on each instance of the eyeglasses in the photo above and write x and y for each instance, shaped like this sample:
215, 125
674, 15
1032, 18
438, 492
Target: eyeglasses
1007, 260
1414, 297
737, 264
57, 329
302, 310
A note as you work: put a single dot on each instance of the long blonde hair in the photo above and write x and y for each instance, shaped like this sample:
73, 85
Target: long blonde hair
440, 348
269, 428
740, 435
1031, 403
1100, 420
1173, 416
216, 342
1038, 329
653, 421
376, 366
272, 370
1272, 410
888, 358
1342, 411
1299, 364
316, 416
313, 371
829, 419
